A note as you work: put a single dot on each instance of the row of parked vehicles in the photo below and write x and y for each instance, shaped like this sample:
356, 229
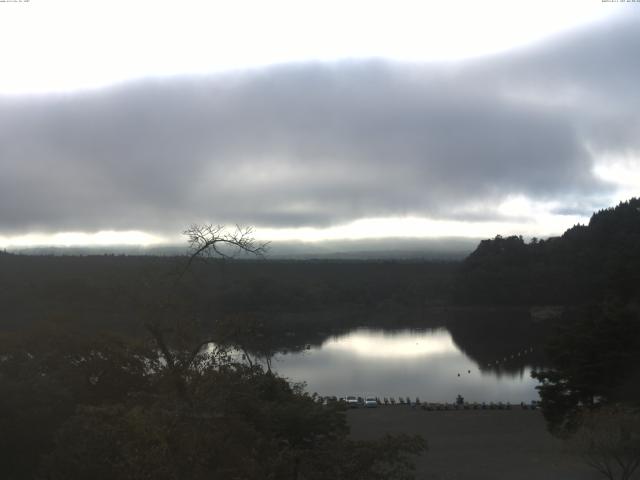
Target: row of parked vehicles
356, 402
353, 401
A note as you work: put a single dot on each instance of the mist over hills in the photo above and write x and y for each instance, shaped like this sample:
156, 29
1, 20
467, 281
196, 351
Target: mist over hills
445, 248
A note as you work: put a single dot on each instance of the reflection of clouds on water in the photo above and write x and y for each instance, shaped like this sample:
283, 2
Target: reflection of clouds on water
414, 363
402, 344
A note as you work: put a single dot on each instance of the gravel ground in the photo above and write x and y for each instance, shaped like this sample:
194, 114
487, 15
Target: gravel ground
476, 444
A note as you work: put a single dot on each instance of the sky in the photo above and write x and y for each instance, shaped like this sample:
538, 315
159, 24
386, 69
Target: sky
125, 122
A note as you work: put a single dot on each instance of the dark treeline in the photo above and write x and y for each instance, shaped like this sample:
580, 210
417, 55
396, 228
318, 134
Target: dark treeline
115, 291
586, 264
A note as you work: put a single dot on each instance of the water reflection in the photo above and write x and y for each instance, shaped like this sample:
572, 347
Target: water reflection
393, 345
424, 363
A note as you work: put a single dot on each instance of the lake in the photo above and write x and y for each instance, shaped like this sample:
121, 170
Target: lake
409, 362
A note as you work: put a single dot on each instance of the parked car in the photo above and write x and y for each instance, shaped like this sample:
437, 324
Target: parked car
370, 402
352, 402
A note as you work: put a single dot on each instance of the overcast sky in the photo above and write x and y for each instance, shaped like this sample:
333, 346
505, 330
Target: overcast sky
123, 124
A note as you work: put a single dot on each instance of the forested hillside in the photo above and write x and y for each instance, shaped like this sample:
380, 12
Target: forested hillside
586, 264
116, 292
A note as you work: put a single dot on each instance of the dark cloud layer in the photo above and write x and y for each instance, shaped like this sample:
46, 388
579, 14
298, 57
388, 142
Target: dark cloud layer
319, 144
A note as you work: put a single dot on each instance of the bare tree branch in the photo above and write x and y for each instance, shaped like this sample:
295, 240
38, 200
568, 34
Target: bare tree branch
204, 241
213, 240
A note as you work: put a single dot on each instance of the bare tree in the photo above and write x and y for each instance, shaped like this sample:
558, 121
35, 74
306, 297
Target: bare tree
204, 241
608, 440
217, 241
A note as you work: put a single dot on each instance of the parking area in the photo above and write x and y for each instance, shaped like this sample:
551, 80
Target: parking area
475, 444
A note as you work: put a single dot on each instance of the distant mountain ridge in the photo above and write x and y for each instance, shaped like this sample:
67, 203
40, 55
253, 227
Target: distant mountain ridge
446, 248
587, 263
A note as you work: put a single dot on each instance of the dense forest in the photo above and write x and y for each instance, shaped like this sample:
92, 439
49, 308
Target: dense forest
114, 291
587, 263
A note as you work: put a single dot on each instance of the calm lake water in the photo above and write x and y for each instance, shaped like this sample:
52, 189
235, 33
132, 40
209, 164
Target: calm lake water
424, 363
